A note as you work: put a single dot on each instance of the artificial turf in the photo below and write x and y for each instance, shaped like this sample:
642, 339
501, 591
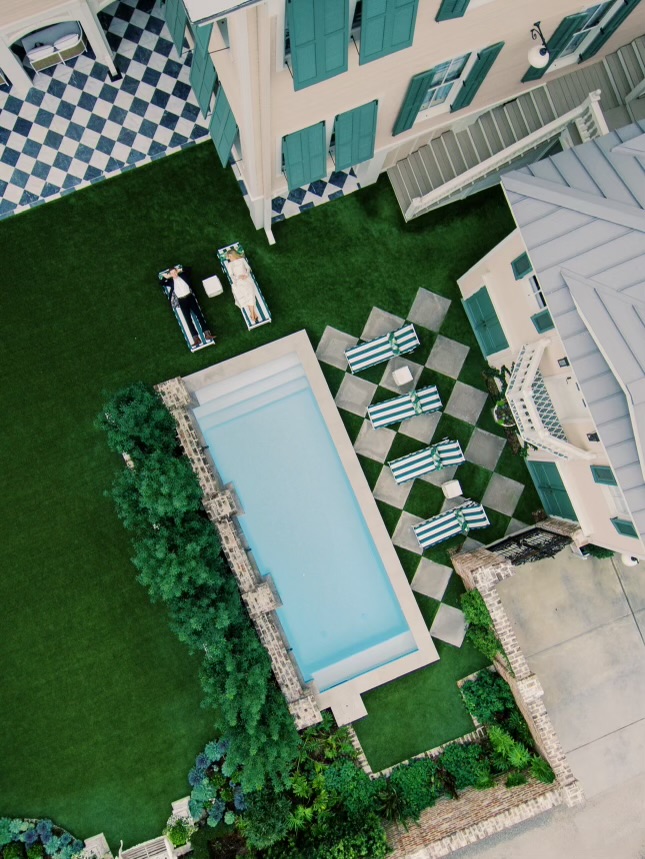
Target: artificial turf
100, 704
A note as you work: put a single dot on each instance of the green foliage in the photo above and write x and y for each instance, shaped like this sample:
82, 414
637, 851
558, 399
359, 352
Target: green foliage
15, 850
485, 641
541, 770
515, 779
352, 787
480, 632
597, 551
177, 556
517, 755
266, 819
519, 730
6, 831
475, 609
488, 697
178, 830
417, 786
466, 765
136, 422
35, 851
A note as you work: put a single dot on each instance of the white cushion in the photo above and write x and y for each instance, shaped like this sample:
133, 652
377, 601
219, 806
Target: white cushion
41, 52
66, 42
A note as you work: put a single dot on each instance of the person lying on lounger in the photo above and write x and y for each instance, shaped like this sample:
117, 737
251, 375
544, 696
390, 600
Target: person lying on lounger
182, 294
242, 284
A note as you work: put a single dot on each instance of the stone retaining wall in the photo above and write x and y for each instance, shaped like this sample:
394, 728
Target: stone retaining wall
257, 594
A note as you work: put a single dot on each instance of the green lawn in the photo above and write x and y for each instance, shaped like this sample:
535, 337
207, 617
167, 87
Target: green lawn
101, 715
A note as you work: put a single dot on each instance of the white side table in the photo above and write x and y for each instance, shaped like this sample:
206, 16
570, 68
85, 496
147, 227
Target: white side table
402, 376
451, 488
213, 286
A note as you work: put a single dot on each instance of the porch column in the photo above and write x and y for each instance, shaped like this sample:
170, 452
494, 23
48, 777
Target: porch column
96, 37
13, 70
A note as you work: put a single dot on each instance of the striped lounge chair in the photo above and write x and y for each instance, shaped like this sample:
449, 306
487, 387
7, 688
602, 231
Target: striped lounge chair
420, 402
441, 455
179, 314
380, 349
459, 520
260, 303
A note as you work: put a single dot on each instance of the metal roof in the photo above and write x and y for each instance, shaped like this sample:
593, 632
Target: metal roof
582, 217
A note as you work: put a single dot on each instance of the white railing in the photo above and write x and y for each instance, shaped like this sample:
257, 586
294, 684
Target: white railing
520, 398
590, 122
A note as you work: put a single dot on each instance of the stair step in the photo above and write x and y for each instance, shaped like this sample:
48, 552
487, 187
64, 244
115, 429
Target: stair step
633, 64
426, 170
479, 142
487, 125
439, 151
417, 178
530, 114
639, 49
516, 120
400, 192
543, 106
453, 151
407, 179
467, 149
504, 126
622, 83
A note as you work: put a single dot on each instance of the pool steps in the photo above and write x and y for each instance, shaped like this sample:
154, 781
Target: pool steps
345, 670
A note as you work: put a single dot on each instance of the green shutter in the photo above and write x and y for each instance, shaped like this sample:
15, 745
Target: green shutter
550, 488
222, 127
486, 326
558, 41
452, 9
175, 13
305, 158
469, 87
355, 133
413, 101
521, 266
203, 76
542, 321
624, 527
603, 474
319, 34
607, 31
386, 26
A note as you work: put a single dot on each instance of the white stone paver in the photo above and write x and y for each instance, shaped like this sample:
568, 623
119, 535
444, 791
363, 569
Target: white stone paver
431, 579
449, 625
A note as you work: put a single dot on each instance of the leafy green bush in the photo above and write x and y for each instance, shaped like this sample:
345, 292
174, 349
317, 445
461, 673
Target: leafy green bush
515, 779
517, 755
178, 831
541, 770
35, 851
597, 551
519, 730
480, 630
15, 850
417, 786
465, 765
136, 422
352, 787
488, 697
266, 819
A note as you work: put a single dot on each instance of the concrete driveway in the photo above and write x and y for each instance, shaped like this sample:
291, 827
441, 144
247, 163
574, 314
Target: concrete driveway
581, 625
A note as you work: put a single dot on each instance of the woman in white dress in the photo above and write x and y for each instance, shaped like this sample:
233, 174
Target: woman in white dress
243, 285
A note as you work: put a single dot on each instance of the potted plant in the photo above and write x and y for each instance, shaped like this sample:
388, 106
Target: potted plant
178, 831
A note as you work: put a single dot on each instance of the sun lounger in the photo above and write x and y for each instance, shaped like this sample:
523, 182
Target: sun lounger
434, 458
420, 402
179, 314
260, 303
382, 348
459, 520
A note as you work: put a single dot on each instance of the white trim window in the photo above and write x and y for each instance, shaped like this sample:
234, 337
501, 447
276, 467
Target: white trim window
441, 91
596, 17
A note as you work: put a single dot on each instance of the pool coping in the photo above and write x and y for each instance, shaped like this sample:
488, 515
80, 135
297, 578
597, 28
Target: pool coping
343, 699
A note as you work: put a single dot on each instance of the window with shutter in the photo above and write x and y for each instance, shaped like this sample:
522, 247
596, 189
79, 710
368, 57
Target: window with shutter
551, 489
450, 9
203, 76
603, 474
318, 39
521, 266
430, 89
354, 135
542, 321
304, 156
624, 527
387, 26
476, 76
175, 14
485, 324
563, 34
607, 28
222, 127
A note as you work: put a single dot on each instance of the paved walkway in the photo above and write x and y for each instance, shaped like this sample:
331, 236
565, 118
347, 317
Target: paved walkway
76, 127
581, 625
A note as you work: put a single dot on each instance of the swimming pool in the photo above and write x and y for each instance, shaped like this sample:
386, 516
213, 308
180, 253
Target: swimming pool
341, 610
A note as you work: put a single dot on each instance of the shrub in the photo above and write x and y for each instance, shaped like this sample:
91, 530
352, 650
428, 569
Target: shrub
597, 551
466, 765
541, 770
519, 730
266, 820
488, 697
136, 422
480, 631
509, 749
6, 832
515, 779
35, 851
417, 786
15, 850
352, 786
178, 831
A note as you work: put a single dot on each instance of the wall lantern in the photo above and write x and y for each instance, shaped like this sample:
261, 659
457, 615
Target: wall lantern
538, 54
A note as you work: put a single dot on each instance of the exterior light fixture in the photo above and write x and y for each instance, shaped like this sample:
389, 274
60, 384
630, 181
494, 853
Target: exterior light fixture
538, 54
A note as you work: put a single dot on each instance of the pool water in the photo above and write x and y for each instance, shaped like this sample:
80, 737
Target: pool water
304, 525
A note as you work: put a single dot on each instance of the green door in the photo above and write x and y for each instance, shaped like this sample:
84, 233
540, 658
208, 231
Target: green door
355, 133
386, 26
486, 326
305, 157
550, 488
319, 39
